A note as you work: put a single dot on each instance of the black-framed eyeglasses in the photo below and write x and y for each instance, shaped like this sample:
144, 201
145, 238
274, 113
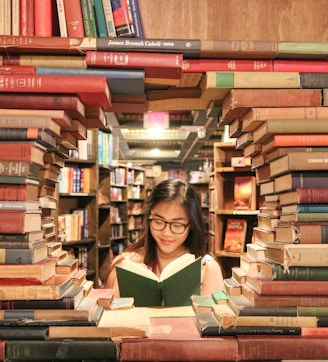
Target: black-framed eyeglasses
175, 227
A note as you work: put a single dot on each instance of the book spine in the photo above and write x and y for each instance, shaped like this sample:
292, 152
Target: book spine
253, 79
61, 18
15, 30
71, 104
314, 80
252, 348
312, 195
128, 60
92, 90
303, 140
122, 18
18, 168
189, 48
43, 18
28, 349
74, 19
100, 19
304, 66
245, 49
107, 5
217, 65
24, 333
17, 69
279, 287
136, 18
88, 16
311, 207
13, 192
16, 256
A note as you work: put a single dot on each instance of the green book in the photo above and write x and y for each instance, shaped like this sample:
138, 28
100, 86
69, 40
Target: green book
178, 281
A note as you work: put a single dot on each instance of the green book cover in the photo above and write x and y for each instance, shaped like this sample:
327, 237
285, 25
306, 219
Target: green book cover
179, 280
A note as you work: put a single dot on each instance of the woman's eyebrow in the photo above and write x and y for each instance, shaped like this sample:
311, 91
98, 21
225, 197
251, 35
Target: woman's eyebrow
174, 219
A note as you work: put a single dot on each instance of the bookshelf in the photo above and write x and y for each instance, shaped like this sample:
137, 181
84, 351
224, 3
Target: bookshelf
118, 208
136, 198
222, 202
84, 198
203, 191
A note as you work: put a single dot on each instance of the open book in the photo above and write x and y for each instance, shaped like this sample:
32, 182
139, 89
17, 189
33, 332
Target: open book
178, 281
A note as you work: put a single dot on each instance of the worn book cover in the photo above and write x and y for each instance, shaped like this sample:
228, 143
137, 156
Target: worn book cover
208, 325
178, 281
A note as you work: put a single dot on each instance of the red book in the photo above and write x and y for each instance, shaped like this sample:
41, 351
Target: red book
37, 44
16, 192
283, 300
263, 285
93, 91
180, 340
27, 17
43, 18
70, 103
308, 66
235, 235
294, 140
17, 69
232, 65
304, 196
19, 221
160, 65
22, 151
74, 19
296, 348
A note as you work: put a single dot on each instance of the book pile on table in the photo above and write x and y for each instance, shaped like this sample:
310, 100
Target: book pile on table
280, 286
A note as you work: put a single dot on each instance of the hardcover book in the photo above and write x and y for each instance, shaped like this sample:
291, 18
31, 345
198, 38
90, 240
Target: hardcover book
228, 319
300, 179
70, 103
276, 271
19, 221
208, 325
256, 116
180, 340
283, 126
295, 140
31, 151
240, 101
299, 161
50, 349
298, 254
92, 91
263, 285
178, 281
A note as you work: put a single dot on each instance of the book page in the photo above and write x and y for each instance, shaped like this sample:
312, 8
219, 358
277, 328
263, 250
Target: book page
176, 265
138, 268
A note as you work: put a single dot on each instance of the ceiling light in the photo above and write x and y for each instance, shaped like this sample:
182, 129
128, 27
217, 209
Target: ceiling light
145, 135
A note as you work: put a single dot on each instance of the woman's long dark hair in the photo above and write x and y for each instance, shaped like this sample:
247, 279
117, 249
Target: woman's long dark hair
188, 197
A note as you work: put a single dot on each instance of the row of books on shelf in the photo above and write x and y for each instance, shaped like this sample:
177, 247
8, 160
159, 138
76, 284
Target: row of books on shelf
74, 179
75, 18
73, 226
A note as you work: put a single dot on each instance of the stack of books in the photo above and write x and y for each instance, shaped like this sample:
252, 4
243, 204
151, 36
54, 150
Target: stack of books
280, 285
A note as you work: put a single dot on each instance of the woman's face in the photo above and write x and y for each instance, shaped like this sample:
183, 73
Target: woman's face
167, 241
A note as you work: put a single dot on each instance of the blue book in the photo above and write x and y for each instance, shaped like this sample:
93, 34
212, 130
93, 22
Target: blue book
120, 81
135, 13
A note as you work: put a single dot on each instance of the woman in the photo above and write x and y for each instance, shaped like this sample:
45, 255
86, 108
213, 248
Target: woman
173, 227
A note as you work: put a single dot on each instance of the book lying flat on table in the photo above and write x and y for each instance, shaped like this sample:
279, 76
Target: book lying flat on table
178, 281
